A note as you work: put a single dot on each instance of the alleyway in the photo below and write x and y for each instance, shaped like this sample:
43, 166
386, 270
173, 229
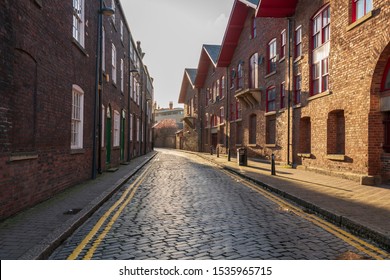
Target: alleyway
182, 207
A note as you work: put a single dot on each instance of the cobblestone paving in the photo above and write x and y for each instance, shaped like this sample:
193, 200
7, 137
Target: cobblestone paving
188, 209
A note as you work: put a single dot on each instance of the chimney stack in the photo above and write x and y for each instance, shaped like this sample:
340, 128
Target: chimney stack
170, 105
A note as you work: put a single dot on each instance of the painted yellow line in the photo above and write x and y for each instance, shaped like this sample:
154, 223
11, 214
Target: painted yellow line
76, 252
358, 243
100, 238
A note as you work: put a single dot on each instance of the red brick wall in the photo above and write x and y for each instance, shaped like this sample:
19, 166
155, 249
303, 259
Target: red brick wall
41, 65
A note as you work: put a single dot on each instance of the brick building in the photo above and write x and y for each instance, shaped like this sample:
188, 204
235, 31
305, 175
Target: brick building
211, 81
189, 138
308, 81
49, 109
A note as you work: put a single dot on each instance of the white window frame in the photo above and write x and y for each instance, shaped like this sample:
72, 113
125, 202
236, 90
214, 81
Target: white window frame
298, 41
79, 21
122, 36
254, 71
117, 126
77, 117
283, 44
113, 62
122, 73
103, 49
272, 56
131, 128
103, 124
113, 6
138, 126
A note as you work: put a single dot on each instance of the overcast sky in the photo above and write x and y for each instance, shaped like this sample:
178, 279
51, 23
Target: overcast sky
172, 33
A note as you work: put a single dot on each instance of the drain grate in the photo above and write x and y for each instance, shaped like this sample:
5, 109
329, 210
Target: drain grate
73, 211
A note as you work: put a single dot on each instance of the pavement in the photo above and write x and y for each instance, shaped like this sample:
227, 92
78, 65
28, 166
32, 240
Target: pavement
363, 210
36, 232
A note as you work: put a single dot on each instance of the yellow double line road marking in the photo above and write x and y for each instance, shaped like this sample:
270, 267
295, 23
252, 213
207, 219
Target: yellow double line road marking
122, 202
356, 242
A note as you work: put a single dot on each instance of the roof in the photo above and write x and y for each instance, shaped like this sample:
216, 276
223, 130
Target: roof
252, 3
213, 52
191, 74
188, 79
233, 30
276, 8
208, 55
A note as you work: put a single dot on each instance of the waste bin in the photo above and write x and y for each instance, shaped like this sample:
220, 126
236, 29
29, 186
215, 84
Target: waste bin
242, 158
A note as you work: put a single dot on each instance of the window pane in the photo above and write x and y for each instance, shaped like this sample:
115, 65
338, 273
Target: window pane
368, 5
359, 9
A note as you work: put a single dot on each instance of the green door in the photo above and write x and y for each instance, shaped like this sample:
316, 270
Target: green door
123, 121
108, 136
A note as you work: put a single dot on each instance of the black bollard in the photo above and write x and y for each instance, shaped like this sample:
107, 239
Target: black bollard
211, 150
273, 165
228, 154
217, 151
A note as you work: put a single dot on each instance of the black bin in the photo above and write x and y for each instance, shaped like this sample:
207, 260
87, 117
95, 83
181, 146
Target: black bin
242, 158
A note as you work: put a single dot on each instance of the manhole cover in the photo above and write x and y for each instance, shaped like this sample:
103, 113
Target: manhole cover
72, 211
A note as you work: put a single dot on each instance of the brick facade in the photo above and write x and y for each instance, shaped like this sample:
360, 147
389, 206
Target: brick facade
189, 139
335, 121
42, 65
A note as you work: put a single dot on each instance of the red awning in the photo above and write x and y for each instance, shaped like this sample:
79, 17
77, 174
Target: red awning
276, 8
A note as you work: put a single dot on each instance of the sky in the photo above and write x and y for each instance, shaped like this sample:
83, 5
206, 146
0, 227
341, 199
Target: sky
172, 33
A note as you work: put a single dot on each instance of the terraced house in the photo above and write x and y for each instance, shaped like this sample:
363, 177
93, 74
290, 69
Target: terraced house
308, 82
67, 109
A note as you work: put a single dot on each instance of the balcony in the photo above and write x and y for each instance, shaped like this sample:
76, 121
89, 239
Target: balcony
249, 97
190, 121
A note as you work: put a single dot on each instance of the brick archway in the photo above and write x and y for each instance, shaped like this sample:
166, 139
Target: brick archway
378, 159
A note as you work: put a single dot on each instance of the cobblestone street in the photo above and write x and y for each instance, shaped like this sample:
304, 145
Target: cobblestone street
186, 208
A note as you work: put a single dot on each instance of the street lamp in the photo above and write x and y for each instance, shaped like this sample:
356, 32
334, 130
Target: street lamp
97, 133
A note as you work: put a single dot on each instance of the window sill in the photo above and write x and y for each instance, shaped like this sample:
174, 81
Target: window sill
282, 59
270, 74
80, 47
319, 95
299, 58
297, 106
77, 151
238, 145
335, 157
23, 156
282, 110
270, 145
304, 155
252, 145
271, 113
359, 21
